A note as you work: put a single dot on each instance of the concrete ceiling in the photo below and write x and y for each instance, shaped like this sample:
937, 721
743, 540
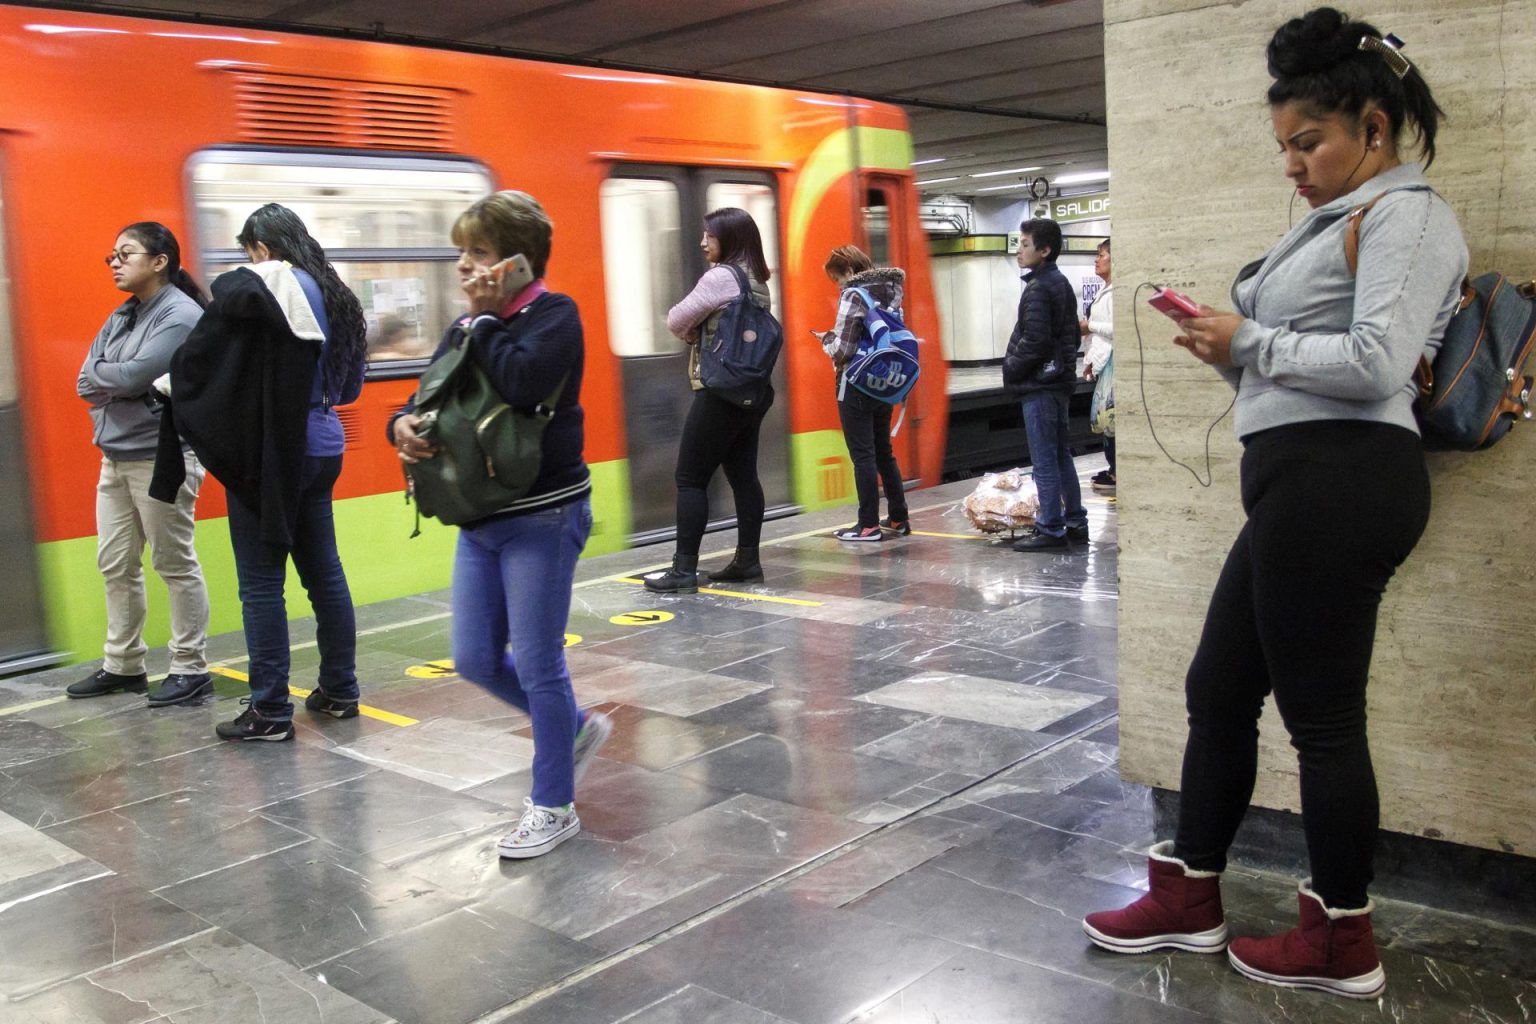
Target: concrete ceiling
989, 86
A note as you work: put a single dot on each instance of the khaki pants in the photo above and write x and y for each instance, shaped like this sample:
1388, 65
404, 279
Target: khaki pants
126, 516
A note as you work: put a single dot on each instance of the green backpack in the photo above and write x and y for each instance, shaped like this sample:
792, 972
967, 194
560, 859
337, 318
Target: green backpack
488, 453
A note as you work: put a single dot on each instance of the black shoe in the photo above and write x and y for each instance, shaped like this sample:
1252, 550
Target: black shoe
1104, 476
743, 568
900, 527
181, 689
253, 725
1036, 540
103, 682
682, 578
1078, 534
322, 703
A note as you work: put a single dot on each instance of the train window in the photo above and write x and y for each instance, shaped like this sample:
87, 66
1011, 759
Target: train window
877, 226
642, 263
383, 221
759, 201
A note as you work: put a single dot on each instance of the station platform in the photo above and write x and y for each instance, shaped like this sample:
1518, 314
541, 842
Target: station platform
882, 786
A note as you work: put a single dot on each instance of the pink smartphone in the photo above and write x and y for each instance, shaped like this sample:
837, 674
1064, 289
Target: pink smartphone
1172, 304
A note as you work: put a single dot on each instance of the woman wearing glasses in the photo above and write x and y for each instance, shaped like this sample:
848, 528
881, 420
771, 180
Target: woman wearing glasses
254, 391
132, 348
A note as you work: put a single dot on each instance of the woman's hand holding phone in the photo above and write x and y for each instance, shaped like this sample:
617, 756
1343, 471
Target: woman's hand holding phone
1208, 337
489, 288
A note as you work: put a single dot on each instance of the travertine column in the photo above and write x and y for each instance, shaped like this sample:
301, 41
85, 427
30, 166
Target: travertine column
1199, 192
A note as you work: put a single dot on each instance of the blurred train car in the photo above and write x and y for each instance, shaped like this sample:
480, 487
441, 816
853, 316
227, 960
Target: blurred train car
378, 147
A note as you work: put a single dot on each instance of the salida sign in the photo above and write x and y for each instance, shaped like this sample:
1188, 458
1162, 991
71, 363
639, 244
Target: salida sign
1080, 208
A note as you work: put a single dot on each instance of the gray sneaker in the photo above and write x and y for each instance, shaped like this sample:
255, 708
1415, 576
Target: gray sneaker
594, 733
540, 830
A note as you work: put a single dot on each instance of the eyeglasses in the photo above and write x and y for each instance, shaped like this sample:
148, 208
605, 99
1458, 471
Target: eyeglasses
122, 255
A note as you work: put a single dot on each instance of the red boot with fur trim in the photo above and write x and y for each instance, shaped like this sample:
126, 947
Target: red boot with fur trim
1181, 910
1331, 950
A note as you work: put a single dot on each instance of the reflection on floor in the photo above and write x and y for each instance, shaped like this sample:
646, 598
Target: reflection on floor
880, 787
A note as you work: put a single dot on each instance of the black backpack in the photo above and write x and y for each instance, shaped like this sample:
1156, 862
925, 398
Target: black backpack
1477, 386
738, 361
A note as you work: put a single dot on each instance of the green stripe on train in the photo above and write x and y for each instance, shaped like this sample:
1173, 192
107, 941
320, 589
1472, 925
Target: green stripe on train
373, 533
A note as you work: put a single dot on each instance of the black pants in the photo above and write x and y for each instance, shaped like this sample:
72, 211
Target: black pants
867, 430
1333, 509
719, 435
1109, 452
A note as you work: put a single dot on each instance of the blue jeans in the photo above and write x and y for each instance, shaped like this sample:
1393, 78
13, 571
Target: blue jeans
512, 581
262, 574
1061, 496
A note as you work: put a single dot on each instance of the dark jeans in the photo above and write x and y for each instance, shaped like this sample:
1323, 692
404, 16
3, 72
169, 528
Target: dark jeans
1109, 453
719, 435
1333, 509
1056, 483
262, 575
867, 430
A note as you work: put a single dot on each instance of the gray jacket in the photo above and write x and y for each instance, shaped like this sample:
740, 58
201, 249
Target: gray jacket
132, 348
1320, 344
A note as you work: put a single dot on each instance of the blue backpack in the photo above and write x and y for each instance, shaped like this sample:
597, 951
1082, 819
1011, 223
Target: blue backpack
884, 366
739, 362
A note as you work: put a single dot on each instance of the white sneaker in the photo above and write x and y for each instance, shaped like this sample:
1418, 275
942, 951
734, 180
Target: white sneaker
540, 830
594, 733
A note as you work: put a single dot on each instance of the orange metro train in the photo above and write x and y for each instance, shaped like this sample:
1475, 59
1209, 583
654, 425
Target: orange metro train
110, 120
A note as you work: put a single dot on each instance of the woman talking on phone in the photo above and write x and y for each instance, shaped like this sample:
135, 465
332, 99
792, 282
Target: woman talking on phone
513, 570
1336, 492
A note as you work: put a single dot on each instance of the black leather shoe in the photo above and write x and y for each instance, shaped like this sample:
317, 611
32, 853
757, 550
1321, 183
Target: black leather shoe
1078, 534
181, 689
103, 682
673, 581
1035, 540
744, 568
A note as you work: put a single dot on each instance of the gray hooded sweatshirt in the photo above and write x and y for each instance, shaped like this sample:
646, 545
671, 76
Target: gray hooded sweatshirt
1320, 344
132, 348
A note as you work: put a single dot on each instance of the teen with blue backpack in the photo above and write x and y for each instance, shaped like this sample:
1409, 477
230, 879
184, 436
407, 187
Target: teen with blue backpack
875, 358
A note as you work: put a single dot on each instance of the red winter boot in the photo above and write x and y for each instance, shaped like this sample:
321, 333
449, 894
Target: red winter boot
1181, 910
1331, 950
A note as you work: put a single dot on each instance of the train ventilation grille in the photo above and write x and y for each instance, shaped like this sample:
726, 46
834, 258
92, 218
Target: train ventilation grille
351, 429
295, 110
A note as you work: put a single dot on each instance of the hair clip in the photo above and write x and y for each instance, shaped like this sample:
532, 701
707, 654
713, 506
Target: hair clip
1390, 47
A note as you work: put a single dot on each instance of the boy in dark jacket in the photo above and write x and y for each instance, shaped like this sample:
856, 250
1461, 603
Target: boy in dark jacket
1041, 368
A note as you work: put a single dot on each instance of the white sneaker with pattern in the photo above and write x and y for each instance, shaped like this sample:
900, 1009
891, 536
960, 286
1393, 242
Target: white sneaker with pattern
594, 733
540, 830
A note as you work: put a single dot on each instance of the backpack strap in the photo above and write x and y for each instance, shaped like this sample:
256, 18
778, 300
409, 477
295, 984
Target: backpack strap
741, 281
1423, 374
871, 317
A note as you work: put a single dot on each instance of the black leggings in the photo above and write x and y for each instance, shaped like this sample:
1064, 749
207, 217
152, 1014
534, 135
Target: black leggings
719, 435
1334, 507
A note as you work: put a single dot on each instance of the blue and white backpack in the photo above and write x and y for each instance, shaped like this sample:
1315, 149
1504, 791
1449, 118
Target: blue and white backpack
884, 366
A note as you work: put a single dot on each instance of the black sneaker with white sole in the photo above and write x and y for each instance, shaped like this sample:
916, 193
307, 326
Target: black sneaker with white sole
858, 535
900, 527
251, 724
322, 703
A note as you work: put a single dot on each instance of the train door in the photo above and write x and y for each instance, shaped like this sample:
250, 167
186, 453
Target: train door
652, 217
23, 631
885, 230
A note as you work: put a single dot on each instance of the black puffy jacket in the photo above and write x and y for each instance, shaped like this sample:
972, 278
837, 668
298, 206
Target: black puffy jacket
1042, 351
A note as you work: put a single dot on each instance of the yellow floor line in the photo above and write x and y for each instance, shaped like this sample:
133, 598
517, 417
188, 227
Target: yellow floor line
299, 691
956, 536
772, 599
19, 708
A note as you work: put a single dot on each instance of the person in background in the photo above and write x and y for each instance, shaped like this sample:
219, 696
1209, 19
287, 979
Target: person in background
1040, 367
718, 433
1337, 495
513, 570
133, 348
255, 391
1099, 328
866, 421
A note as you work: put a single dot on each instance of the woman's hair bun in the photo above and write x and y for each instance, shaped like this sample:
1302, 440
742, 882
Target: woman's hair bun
1315, 42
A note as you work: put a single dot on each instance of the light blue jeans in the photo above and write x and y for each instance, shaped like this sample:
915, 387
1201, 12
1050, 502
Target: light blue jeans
512, 580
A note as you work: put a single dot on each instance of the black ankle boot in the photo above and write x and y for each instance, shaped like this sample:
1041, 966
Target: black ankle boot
744, 568
682, 578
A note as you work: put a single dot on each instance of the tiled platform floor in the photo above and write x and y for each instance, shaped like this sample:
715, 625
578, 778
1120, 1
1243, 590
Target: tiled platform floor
885, 795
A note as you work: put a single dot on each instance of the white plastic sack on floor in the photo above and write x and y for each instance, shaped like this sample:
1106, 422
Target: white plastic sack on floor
1003, 501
